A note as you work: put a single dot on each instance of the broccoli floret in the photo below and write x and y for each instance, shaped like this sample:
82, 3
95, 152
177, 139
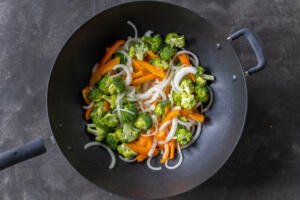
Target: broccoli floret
161, 107
176, 96
125, 151
116, 85
98, 112
138, 50
128, 134
174, 40
112, 140
202, 78
123, 59
187, 86
109, 120
103, 84
95, 95
143, 122
98, 132
202, 93
188, 101
157, 62
131, 113
153, 43
167, 52
183, 136
111, 100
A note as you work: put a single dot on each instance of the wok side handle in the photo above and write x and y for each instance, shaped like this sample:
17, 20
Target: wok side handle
255, 45
18, 154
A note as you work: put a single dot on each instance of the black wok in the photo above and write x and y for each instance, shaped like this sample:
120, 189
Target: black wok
71, 73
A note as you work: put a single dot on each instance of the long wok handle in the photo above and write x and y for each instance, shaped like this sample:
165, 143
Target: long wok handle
255, 45
21, 153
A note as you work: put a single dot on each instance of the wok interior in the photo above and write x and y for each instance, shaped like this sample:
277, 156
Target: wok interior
72, 71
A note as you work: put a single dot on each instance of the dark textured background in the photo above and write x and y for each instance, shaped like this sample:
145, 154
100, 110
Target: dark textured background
265, 164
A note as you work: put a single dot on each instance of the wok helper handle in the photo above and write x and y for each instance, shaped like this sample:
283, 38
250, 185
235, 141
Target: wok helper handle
18, 154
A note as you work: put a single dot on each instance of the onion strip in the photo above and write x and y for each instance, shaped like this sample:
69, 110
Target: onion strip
180, 159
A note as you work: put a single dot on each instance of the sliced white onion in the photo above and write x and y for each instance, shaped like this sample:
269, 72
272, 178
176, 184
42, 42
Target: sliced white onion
195, 136
117, 74
185, 124
88, 106
180, 74
211, 99
186, 52
123, 110
172, 130
148, 33
153, 98
129, 41
111, 153
180, 159
151, 151
164, 125
118, 104
134, 28
126, 159
150, 166
127, 71
176, 108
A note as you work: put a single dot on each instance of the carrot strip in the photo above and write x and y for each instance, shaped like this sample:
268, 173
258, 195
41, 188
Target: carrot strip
184, 59
106, 106
137, 66
85, 93
168, 89
170, 115
172, 149
161, 135
166, 154
103, 69
143, 79
192, 115
141, 157
138, 149
137, 74
151, 54
150, 68
87, 114
110, 51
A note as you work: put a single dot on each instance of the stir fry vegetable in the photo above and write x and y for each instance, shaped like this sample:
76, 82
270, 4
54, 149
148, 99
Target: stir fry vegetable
146, 98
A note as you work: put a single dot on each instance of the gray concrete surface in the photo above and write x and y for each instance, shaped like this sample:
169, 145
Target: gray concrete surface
264, 166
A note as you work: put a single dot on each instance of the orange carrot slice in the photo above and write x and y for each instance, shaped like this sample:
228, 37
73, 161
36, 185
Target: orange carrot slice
110, 51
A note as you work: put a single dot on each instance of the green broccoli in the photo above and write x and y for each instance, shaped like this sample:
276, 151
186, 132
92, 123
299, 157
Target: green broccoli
202, 93
202, 78
109, 120
176, 96
157, 62
143, 122
138, 50
97, 114
187, 100
174, 40
111, 100
95, 95
98, 132
128, 134
112, 141
123, 59
116, 85
160, 108
187, 86
131, 113
125, 151
183, 136
167, 52
103, 84
154, 43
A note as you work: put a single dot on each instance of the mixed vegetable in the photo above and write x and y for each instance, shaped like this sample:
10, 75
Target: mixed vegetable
146, 97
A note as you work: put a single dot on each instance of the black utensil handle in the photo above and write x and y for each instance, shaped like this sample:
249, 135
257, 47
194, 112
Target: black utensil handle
255, 45
21, 153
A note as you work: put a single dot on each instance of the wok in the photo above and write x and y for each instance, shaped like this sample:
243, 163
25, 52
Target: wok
71, 73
